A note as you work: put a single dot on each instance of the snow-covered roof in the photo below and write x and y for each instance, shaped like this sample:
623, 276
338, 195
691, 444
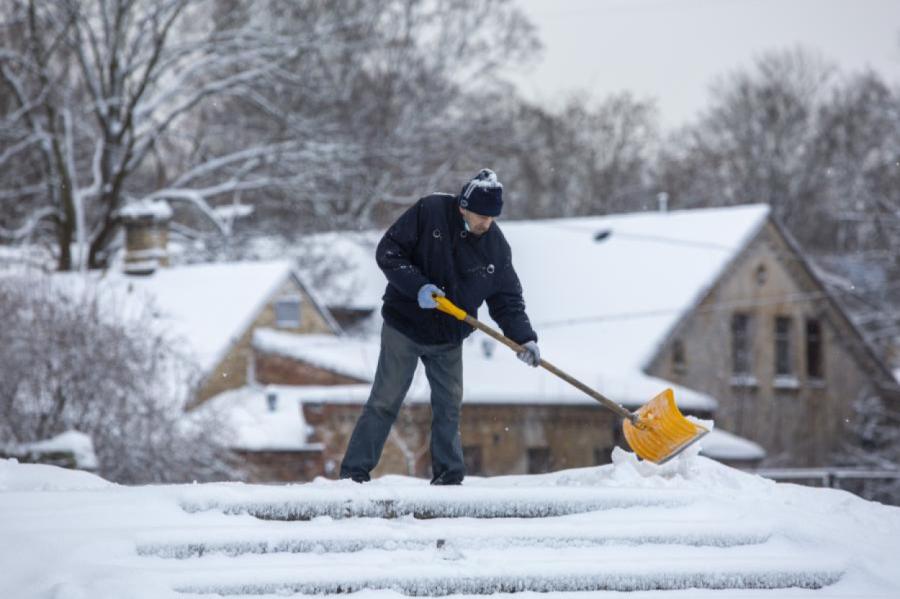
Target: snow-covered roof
259, 425
205, 306
157, 210
723, 445
498, 378
78, 444
602, 294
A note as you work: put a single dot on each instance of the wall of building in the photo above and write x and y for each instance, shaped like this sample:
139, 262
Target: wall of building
281, 466
504, 436
271, 369
798, 420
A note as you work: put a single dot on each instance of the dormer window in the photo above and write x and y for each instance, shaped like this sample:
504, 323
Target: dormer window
287, 312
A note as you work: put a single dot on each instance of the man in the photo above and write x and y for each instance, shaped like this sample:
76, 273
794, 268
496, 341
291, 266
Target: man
449, 246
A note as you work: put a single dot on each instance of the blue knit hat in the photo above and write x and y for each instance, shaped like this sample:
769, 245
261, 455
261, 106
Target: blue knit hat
483, 195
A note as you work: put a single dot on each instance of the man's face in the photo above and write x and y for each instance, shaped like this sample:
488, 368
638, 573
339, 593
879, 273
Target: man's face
478, 224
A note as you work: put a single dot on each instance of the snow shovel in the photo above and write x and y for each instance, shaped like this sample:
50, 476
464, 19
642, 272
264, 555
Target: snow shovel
657, 431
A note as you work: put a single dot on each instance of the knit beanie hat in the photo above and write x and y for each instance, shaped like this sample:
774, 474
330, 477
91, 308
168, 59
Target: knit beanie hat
483, 195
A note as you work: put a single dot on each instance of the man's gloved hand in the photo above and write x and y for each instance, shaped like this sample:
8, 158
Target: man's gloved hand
531, 355
426, 302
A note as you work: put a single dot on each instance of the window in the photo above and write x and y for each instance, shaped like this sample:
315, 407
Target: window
472, 458
679, 362
740, 344
287, 312
814, 360
538, 460
783, 326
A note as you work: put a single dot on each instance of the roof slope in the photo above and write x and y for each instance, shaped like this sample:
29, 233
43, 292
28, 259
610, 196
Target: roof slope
601, 292
206, 307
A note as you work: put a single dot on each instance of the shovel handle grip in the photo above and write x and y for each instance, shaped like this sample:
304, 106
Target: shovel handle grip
448, 307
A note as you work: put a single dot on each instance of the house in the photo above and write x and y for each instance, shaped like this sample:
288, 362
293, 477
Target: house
718, 303
208, 310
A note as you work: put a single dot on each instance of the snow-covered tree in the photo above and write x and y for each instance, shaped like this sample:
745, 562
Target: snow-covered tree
330, 108
68, 361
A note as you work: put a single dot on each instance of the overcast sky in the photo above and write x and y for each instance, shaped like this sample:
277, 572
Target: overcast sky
672, 49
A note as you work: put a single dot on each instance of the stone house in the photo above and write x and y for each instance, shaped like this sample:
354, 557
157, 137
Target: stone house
779, 354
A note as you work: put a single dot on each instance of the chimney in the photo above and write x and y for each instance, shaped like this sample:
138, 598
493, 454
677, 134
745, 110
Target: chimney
663, 199
146, 236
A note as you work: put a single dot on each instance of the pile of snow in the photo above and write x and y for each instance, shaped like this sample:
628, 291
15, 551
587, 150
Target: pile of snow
690, 522
39, 477
72, 442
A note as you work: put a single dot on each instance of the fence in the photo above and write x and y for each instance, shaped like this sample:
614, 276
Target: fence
877, 485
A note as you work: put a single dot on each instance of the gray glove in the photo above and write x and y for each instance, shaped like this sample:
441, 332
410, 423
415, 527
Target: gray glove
531, 355
426, 302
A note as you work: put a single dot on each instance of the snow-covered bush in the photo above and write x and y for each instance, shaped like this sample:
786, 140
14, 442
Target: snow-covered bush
69, 361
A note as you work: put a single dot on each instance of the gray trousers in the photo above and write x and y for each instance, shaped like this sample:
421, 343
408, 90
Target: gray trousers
396, 366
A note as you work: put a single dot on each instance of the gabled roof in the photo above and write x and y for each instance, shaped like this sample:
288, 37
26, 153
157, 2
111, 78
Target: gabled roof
204, 307
601, 292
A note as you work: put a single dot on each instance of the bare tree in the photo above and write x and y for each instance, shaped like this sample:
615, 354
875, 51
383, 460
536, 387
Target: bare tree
588, 158
391, 95
332, 108
102, 89
756, 141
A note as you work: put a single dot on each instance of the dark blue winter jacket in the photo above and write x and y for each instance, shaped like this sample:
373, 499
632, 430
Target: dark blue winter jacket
429, 244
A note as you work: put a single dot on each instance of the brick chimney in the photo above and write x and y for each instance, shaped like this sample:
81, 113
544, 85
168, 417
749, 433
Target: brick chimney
146, 236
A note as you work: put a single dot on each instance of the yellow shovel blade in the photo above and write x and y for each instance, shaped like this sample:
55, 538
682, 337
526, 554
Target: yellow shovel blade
662, 431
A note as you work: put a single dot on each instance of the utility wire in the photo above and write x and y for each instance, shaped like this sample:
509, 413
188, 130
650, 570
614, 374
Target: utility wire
715, 307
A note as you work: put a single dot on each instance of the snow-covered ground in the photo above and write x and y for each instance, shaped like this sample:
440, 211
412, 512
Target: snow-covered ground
656, 530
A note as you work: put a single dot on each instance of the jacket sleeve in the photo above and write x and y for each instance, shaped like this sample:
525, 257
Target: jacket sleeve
395, 250
507, 308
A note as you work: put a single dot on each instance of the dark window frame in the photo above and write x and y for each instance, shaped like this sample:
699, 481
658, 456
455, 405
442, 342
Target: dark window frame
539, 460
782, 334
741, 344
679, 357
815, 350
283, 304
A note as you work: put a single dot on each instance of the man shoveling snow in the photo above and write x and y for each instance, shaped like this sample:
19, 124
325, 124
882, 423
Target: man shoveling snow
449, 246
